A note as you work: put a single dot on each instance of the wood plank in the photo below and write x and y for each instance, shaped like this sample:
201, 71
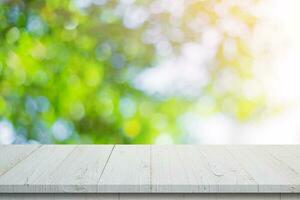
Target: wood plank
271, 174
228, 175
290, 196
287, 155
148, 196
169, 170
59, 196
202, 196
167, 197
40, 163
128, 170
150, 169
10, 155
248, 196
188, 168
79, 172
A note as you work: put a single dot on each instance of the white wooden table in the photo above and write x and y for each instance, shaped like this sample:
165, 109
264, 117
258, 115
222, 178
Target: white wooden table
149, 172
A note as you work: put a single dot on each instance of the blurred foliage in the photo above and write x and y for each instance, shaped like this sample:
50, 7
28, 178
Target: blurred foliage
67, 69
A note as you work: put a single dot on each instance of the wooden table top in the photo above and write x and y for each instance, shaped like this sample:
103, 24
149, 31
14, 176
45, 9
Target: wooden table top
149, 169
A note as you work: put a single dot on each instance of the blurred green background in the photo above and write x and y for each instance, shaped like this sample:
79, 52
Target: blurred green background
97, 71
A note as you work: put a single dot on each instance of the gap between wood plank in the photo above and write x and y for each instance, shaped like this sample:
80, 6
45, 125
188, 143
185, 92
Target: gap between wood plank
281, 161
39, 146
112, 149
61, 163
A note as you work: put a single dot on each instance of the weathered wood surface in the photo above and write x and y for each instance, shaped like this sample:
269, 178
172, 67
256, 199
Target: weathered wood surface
150, 169
123, 196
9, 157
127, 170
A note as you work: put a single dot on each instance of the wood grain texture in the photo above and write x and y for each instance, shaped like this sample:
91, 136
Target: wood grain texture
201, 196
187, 168
12, 155
128, 170
59, 196
150, 169
148, 196
79, 172
270, 173
41, 162
290, 196
58, 168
